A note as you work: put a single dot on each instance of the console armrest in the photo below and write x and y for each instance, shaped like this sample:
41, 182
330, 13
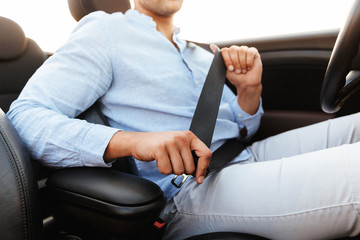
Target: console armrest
104, 198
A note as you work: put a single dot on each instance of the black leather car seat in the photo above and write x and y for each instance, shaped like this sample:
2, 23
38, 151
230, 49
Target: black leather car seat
19, 59
20, 216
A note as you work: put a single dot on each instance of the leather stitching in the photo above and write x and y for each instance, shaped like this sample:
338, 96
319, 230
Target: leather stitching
26, 211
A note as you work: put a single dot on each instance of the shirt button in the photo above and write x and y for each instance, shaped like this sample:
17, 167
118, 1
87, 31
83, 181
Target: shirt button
239, 115
197, 82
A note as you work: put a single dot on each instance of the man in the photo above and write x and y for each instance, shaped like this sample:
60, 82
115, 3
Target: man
147, 82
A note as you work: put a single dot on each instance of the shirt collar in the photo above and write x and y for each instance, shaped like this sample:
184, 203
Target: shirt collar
181, 43
140, 18
146, 20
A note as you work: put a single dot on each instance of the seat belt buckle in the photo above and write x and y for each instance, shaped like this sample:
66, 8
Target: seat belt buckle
176, 182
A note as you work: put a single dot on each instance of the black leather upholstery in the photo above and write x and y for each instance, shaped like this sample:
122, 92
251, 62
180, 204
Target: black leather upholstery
105, 199
19, 200
19, 59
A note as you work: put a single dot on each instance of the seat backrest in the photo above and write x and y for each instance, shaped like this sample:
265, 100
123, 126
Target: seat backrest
20, 215
19, 59
80, 8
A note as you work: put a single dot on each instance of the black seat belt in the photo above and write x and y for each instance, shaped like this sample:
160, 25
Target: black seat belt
205, 115
207, 108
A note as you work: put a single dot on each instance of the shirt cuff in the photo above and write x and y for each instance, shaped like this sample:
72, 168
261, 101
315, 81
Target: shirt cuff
94, 145
248, 124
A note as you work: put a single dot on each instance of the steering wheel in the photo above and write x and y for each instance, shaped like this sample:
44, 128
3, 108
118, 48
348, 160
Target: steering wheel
341, 81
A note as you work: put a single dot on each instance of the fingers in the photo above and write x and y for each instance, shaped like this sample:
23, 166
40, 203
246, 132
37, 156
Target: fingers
188, 160
174, 155
204, 154
201, 170
180, 155
253, 52
171, 155
239, 59
163, 162
213, 47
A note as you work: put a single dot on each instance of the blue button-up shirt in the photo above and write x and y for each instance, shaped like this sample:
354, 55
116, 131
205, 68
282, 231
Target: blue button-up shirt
142, 82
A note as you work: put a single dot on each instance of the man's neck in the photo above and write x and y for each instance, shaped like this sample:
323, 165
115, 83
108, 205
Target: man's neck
164, 24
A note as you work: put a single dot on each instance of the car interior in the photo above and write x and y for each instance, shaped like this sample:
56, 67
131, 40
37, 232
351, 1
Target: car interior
114, 203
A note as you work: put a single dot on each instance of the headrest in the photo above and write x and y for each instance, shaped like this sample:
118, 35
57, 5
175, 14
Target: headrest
12, 39
80, 8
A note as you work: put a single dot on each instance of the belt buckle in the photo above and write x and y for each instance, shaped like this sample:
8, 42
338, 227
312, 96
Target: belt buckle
173, 181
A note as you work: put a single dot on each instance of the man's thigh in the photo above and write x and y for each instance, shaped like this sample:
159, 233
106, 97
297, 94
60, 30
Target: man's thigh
323, 135
309, 196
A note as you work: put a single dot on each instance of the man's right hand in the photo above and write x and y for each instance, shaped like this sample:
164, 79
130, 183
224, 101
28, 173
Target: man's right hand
171, 150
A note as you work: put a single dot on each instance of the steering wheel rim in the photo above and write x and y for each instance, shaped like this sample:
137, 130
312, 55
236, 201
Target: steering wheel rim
340, 81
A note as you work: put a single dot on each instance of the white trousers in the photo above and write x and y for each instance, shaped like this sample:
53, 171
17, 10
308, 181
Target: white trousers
302, 184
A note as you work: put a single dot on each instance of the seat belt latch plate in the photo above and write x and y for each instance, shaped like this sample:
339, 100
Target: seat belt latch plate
176, 184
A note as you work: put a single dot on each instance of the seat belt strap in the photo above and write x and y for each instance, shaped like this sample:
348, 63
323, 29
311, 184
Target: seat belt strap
204, 119
205, 115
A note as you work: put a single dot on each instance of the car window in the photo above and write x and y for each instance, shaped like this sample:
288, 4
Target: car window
221, 20
49, 22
